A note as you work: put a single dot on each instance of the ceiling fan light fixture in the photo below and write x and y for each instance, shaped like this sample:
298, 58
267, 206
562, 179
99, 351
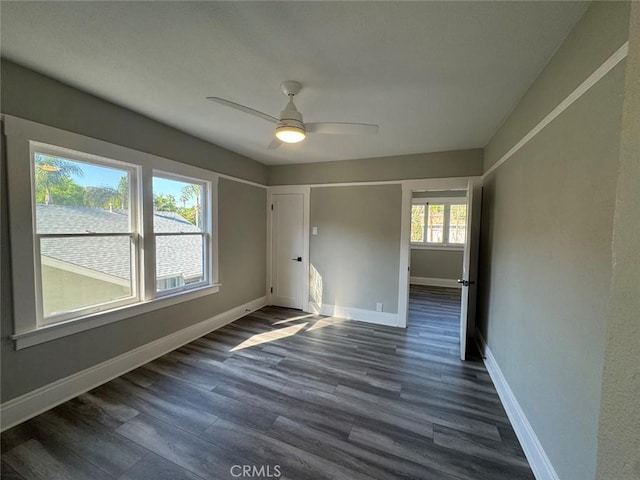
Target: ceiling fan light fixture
290, 128
290, 133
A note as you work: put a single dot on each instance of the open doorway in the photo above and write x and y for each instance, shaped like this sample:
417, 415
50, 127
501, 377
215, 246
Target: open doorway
437, 240
441, 223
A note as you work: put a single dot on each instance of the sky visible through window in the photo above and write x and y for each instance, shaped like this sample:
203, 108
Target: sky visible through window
163, 186
100, 176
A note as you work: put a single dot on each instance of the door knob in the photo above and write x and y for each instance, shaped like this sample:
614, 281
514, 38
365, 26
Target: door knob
466, 283
297, 259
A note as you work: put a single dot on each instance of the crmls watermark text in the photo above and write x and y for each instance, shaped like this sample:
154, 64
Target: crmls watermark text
255, 471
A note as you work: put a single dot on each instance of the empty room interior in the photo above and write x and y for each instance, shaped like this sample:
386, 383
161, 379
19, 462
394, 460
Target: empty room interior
320, 240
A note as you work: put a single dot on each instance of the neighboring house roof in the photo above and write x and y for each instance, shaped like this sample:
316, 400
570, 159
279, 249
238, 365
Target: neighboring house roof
108, 257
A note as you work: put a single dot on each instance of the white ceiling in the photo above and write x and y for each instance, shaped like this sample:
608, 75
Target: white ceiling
434, 75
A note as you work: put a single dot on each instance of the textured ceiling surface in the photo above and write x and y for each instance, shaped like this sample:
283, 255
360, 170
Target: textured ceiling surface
434, 75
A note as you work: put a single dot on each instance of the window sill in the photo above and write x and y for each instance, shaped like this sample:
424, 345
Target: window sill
58, 330
422, 246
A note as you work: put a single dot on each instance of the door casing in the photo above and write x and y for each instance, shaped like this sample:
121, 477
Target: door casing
467, 324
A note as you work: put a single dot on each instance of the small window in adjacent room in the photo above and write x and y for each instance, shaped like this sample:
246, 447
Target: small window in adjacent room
417, 223
435, 223
438, 223
457, 224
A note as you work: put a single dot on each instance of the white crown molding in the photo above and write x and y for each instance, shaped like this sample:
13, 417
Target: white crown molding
598, 74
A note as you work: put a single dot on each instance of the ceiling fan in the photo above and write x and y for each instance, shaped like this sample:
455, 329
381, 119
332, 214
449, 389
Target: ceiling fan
290, 128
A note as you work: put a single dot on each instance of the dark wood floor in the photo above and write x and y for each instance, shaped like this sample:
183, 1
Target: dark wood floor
302, 396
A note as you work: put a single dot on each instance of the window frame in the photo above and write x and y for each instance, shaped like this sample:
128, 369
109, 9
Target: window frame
447, 202
205, 230
133, 235
23, 138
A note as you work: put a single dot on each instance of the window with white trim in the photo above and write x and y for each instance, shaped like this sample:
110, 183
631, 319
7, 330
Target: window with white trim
180, 232
103, 236
86, 235
438, 222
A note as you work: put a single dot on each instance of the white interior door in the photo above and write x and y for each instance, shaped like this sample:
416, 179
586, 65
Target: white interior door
287, 250
470, 266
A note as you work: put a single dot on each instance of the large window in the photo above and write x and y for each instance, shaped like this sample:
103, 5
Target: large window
102, 236
438, 222
86, 235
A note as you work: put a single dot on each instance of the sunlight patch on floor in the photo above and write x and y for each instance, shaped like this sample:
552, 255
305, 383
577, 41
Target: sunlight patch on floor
293, 319
325, 322
266, 337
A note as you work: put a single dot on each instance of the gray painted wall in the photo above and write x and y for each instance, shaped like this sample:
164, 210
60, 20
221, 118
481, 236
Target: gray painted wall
357, 250
458, 163
436, 263
36, 97
580, 55
545, 260
242, 232
619, 430
242, 269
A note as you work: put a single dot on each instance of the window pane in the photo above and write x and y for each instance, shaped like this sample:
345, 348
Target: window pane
179, 260
435, 223
84, 272
79, 197
177, 206
417, 223
458, 224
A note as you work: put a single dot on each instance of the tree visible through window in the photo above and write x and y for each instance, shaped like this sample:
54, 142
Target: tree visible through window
438, 222
435, 223
84, 235
88, 234
417, 223
457, 224
180, 238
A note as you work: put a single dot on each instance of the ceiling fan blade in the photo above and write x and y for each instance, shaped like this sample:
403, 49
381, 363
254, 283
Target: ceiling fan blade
275, 143
342, 128
243, 108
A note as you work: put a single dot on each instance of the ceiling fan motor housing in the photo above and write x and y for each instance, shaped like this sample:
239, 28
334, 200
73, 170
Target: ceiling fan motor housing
291, 116
290, 128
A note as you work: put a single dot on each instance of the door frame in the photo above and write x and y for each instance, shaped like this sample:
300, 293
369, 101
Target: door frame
305, 190
408, 187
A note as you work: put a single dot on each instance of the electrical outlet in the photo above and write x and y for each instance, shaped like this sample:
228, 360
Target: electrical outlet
378, 307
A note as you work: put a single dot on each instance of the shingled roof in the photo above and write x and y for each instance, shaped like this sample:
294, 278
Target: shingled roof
176, 256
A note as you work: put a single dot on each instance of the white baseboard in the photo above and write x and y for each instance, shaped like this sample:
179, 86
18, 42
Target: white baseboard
29, 405
538, 459
435, 282
350, 313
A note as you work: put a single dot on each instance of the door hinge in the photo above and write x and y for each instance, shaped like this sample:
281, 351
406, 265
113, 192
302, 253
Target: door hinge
272, 206
271, 289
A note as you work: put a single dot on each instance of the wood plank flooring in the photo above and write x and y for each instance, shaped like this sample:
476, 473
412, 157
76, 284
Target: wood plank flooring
300, 396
